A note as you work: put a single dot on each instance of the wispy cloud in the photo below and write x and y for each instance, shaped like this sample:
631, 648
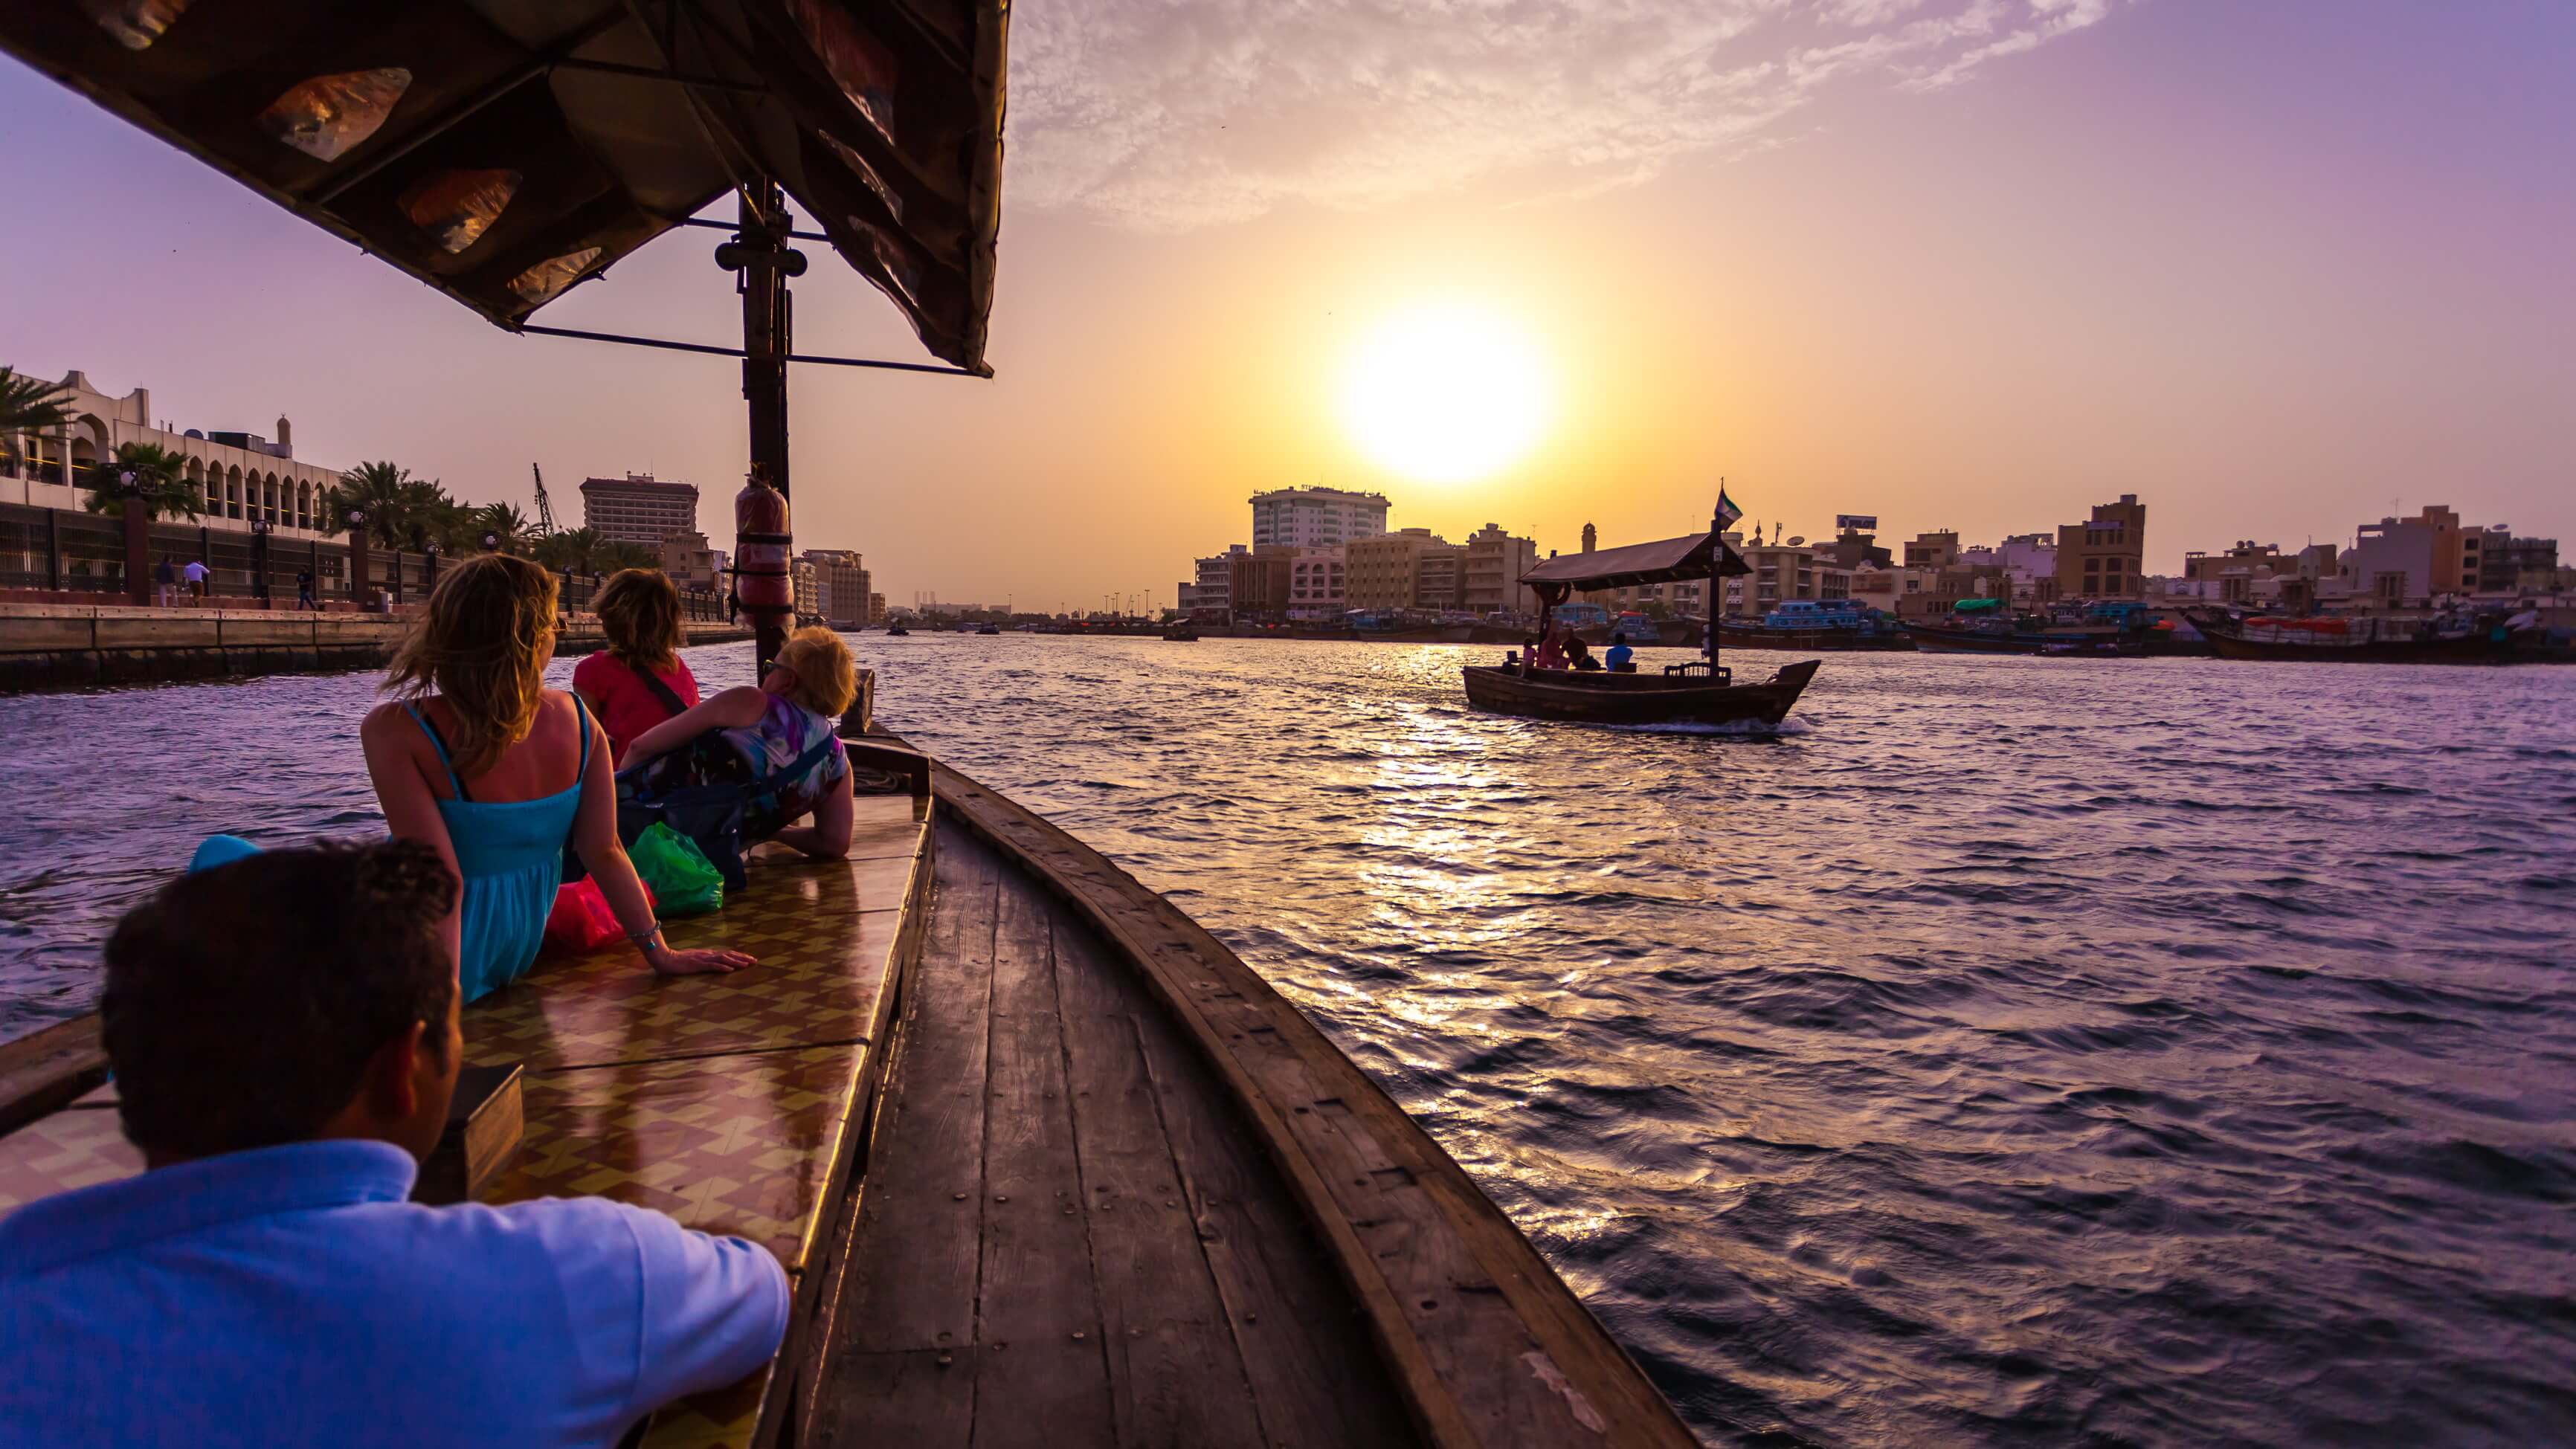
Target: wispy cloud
1179, 113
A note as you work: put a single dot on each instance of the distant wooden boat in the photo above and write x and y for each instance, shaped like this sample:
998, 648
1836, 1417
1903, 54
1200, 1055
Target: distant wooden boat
1701, 693
1181, 634
2361, 640
1599, 697
1806, 641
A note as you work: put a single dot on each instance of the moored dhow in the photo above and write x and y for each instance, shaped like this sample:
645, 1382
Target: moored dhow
2374, 639
1803, 624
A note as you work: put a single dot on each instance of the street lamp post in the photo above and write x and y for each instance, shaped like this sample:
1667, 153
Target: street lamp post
138, 539
358, 558
429, 571
259, 531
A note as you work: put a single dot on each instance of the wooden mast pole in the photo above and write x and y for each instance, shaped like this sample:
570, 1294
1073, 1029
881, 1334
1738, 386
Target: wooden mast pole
767, 339
1716, 580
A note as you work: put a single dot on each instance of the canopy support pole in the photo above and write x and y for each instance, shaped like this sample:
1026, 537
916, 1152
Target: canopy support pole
1716, 586
767, 339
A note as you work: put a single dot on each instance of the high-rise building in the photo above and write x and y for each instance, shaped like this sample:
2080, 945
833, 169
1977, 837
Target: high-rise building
1490, 582
1316, 517
2105, 556
638, 508
841, 587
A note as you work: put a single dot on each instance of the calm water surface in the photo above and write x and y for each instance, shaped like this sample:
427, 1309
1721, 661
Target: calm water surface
2014, 1051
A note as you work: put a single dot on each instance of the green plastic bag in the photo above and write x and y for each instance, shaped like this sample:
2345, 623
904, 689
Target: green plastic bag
683, 883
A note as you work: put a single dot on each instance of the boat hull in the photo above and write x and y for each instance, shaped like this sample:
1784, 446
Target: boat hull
2230, 640
1634, 699
1735, 636
1940, 640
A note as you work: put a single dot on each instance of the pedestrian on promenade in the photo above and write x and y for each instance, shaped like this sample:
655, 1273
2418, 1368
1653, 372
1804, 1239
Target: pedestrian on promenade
283, 1033
165, 583
478, 759
304, 591
196, 576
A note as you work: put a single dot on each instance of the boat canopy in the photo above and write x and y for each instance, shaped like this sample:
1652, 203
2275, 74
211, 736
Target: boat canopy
504, 150
1976, 606
1671, 560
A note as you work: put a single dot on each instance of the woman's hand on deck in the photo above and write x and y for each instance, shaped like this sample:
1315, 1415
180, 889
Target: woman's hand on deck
704, 962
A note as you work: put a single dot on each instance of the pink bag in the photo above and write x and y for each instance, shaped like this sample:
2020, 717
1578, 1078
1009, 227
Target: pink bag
581, 919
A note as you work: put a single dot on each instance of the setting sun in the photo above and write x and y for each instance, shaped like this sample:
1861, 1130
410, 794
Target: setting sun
1445, 392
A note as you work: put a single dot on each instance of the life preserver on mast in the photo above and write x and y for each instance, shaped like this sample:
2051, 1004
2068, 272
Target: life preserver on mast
762, 585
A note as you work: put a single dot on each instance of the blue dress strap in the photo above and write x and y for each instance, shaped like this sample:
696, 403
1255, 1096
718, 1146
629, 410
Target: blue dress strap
581, 712
439, 745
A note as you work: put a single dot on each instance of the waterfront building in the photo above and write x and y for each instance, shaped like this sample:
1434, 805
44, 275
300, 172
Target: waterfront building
1794, 570
1315, 584
1439, 576
2104, 557
1389, 571
2405, 561
1856, 543
1933, 550
241, 478
1213, 596
638, 508
876, 608
2026, 562
841, 586
1257, 581
1490, 580
2510, 565
691, 563
1315, 517
809, 600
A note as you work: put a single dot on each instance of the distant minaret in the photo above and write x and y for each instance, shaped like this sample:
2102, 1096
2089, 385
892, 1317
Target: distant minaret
285, 435
1589, 535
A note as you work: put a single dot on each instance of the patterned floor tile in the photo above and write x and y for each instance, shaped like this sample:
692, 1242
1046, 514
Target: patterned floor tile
817, 981
732, 1144
79, 1147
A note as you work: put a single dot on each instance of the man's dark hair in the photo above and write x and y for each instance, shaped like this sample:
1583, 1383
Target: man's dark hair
243, 1002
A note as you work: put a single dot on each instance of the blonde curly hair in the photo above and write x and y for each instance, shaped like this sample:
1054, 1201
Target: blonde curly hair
827, 678
482, 645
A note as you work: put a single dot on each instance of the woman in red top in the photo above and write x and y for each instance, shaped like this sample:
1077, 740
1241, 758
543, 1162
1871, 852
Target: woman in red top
638, 681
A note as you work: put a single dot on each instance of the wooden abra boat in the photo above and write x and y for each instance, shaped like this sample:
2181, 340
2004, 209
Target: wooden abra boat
1699, 693
1595, 697
1048, 1164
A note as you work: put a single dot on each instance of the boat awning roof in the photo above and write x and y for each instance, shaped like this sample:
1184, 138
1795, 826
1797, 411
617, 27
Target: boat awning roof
503, 150
1671, 560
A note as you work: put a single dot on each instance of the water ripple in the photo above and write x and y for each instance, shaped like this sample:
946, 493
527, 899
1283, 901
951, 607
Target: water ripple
2010, 1051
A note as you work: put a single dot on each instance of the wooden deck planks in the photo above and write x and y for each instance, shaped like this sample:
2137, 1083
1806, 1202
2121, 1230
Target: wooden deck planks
926, 1196
1122, 1241
1176, 1375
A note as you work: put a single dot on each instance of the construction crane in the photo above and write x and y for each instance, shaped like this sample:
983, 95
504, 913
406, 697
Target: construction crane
545, 508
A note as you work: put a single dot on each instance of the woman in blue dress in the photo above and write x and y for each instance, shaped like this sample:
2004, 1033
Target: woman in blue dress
478, 759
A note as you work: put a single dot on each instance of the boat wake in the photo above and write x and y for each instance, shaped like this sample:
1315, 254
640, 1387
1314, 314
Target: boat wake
1741, 728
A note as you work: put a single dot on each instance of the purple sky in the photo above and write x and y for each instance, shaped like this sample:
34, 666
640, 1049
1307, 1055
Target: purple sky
1960, 263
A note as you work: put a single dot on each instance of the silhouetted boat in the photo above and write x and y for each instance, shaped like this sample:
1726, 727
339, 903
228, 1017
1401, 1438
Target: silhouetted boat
897, 631
1699, 693
1181, 634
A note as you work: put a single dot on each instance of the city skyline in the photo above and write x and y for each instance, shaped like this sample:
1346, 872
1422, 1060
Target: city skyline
2273, 273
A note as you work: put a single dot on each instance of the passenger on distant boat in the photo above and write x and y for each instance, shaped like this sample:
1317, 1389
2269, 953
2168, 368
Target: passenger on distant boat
786, 731
1620, 658
500, 773
1550, 653
639, 680
283, 1036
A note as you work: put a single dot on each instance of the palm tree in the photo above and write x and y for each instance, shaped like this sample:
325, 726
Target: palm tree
629, 556
156, 487
389, 496
575, 550
139, 484
29, 405
504, 521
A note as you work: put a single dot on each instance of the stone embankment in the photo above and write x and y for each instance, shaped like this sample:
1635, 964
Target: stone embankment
62, 646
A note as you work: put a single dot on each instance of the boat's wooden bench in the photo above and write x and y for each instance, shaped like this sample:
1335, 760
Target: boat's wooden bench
728, 1102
